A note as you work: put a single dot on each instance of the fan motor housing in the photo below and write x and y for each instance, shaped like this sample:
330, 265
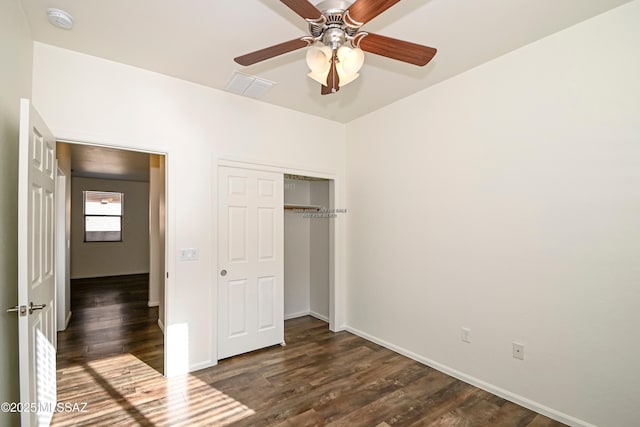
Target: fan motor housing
334, 38
335, 5
333, 12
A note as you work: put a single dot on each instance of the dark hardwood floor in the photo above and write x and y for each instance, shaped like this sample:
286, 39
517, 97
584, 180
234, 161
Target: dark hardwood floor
111, 356
110, 317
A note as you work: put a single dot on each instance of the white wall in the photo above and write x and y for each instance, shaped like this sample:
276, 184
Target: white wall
93, 100
297, 246
101, 259
506, 200
319, 252
15, 83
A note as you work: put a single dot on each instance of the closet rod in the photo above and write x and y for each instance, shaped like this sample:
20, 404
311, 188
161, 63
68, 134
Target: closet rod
313, 208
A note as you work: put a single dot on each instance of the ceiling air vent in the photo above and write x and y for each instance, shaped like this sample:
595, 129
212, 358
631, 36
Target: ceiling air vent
251, 86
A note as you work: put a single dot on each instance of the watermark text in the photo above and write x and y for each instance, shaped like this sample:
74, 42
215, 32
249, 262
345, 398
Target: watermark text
40, 407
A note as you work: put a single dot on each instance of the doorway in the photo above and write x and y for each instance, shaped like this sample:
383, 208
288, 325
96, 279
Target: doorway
306, 247
117, 277
234, 315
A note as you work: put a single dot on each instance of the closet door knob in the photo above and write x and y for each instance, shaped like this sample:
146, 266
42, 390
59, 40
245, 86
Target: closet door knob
223, 273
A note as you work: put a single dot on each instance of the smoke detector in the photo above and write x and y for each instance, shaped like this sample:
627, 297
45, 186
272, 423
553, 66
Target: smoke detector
60, 18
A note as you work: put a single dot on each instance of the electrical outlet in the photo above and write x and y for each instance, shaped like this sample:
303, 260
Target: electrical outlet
466, 335
518, 351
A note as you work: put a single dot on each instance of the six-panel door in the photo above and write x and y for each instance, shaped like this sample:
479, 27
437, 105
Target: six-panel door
250, 260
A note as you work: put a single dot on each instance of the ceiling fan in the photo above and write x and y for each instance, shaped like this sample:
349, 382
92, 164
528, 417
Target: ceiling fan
336, 43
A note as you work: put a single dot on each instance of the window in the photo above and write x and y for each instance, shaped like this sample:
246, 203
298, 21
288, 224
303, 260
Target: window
102, 216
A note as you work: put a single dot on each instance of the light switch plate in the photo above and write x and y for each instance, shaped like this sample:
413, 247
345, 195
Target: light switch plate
189, 254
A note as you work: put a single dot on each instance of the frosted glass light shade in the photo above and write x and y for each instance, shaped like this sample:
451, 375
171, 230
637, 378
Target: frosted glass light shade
351, 59
319, 59
319, 77
345, 78
348, 64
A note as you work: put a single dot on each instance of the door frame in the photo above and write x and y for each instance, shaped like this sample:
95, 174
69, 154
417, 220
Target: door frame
335, 263
63, 311
168, 237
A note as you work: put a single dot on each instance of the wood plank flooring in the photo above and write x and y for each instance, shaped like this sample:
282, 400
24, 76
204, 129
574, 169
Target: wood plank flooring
111, 357
110, 316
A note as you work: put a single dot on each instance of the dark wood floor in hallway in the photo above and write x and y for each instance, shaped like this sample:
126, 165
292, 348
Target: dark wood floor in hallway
111, 355
110, 317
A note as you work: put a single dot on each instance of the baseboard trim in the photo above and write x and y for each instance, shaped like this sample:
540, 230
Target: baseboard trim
67, 320
191, 368
306, 313
60, 328
161, 325
102, 276
505, 394
296, 315
153, 303
319, 316
202, 365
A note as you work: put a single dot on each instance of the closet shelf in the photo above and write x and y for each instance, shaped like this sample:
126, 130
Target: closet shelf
292, 206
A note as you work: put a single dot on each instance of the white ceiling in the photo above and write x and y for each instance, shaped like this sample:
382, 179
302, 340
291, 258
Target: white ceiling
196, 40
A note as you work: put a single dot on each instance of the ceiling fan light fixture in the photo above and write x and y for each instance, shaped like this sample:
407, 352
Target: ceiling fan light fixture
319, 59
351, 59
334, 53
345, 78
319, 77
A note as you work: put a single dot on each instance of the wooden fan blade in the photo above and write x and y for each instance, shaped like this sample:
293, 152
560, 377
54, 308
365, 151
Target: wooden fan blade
270, 52
397, 49
303, 8
364, 11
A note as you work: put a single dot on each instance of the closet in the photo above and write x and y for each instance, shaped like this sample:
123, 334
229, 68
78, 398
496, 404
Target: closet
306, 247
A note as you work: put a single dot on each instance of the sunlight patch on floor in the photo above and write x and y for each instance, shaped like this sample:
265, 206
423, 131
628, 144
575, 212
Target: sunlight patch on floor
189, 397
123, 389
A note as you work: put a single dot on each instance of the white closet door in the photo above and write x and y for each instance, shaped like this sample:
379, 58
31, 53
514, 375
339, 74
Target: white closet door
250, 259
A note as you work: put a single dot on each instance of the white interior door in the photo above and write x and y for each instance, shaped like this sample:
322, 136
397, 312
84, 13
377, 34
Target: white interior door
250, 259
36, 268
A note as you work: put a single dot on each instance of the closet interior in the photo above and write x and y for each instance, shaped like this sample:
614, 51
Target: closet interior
306, 247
